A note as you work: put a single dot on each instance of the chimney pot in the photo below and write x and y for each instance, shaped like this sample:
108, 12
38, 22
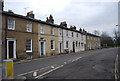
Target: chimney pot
30, 14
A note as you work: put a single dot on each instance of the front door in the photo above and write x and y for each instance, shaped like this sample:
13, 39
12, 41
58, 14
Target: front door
11, 48
73, 47
42, 48
60, 47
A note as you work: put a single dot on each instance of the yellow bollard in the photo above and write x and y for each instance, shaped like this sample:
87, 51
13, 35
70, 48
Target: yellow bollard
8, 69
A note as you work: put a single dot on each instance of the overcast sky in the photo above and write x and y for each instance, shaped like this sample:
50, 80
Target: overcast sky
91, 15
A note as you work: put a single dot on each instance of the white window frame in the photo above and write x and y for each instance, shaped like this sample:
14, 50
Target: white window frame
29, 27
67, 44
44, 46
52, 31
53, 44
42, 29
11, 26
82, 44
77, 35
72, 34
30, 46
60, 32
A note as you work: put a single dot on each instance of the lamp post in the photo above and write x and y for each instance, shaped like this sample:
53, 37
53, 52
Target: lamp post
118, 70
118, 33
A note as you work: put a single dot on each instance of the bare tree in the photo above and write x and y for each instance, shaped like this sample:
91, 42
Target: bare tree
106, 40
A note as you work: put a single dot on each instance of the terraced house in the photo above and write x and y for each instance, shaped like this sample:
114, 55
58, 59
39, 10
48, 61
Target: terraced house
20, 35
25, 37
70, 39
93, 41
48, 37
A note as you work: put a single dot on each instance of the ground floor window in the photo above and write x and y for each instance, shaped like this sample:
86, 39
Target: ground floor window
76, 43
29, 45
79, 44
82, 45
52, 44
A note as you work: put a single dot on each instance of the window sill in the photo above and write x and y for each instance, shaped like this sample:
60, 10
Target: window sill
41, 33
52, 49
11, 29
28, 31
28, 51
52, 34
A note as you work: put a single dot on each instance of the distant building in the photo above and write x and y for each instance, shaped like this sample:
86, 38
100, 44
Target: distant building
92, 41
71, 40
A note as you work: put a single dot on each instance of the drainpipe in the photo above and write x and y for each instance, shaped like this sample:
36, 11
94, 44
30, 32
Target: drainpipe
6, 37
0, 46
62, 41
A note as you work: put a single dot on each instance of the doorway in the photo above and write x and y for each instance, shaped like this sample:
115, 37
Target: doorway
11, 48
73, 46
60, 51
42, 48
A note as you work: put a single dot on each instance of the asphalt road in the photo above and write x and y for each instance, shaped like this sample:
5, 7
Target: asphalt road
94, 64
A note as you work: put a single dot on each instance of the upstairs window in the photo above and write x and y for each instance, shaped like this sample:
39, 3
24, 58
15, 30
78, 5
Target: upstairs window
60, 32
11, 24
42, 29
77, 34
52, 31
72, 34
67, 33
82, 37
29, 27
29, 45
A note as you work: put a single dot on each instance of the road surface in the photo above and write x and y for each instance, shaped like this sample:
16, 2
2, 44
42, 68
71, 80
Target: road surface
94, 64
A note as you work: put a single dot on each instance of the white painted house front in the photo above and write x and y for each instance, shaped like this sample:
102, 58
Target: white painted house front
71, 40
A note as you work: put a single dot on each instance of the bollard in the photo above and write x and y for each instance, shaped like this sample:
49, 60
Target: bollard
8, 69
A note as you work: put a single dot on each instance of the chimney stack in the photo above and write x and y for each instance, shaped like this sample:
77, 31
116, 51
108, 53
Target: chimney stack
10, 12
73, 27
80, 30
50, 19
30, 14
64, 24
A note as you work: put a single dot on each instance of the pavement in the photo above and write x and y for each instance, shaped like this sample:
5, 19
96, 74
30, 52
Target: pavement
94, 64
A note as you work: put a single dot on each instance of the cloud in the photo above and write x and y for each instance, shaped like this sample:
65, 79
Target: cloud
88, 14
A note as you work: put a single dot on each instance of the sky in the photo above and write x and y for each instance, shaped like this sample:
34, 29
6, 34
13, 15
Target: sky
101, 15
